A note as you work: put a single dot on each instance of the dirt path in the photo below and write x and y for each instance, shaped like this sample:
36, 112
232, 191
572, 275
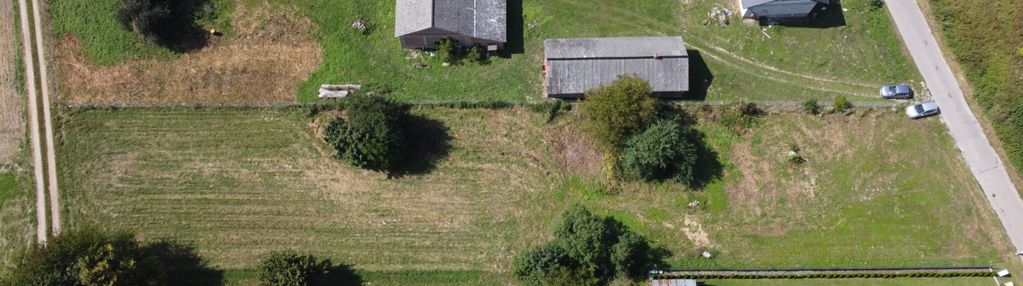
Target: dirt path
33, 117
12, 127
51, 156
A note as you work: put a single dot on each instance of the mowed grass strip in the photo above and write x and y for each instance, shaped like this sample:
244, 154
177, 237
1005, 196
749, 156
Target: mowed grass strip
243, 183
977, 281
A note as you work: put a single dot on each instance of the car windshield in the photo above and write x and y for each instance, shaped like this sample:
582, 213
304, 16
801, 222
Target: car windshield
891, 89
920, 109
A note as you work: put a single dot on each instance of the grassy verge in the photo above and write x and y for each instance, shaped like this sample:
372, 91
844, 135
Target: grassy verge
986, 38
877, 282
242, 183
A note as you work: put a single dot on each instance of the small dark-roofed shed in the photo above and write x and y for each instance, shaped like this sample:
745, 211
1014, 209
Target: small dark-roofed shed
574, 66
420, 24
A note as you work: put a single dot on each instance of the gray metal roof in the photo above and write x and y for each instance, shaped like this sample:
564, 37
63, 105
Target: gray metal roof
575, 66
750, 3
484, 19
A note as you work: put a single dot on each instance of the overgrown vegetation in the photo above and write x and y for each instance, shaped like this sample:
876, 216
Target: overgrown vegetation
983, 36
92, 257
371, 134
587, 250
739, 115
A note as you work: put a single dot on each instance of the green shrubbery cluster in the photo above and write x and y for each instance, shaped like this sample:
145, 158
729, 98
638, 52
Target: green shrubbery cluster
92, 257
371, 135
810, 106
586, 250
874, 275
448, 51
622, 119
661, 151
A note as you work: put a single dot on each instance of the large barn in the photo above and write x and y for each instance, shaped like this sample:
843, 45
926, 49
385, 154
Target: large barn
420, 24
574, 66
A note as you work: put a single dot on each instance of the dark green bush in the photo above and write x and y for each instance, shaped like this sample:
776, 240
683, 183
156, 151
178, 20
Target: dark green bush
613, 113
371, 137
290, 269
663, 150
91, 257
810, 106
165, 22
589, 249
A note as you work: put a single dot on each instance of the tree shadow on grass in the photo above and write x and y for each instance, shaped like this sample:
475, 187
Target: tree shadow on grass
427, 142
340, 274
516, 31
184, 265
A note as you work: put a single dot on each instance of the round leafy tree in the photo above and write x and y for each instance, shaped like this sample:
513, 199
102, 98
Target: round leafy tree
661, 151
291, 269
165, 22
613, 113
371, 135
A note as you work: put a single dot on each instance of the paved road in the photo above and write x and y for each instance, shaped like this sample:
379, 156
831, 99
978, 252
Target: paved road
51, 155
33, 116
956, 114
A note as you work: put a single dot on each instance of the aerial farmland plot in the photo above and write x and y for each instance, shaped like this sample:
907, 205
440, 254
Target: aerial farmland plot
226, 147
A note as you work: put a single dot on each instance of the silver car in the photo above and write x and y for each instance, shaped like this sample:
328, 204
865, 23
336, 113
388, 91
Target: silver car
896, 91
921, 110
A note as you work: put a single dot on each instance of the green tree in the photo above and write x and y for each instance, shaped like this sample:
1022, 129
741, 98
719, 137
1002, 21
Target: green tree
663, 150
290, 269
613, 113
371, 137
587, 250
91, 257
165, 22
534, 266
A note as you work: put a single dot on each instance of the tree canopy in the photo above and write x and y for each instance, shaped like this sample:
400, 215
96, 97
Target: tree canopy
614, 112
371, 136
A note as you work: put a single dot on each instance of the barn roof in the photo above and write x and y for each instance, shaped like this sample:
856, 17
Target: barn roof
484, 19
577, 65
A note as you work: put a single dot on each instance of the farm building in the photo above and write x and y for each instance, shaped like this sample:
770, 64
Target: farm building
573, 66
780, 9
420, 24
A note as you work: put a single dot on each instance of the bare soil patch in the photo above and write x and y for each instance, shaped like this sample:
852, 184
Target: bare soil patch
11, 107
573, 151
272, 51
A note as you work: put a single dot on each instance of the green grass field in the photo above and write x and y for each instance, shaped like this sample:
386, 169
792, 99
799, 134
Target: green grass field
739, 61
242, 183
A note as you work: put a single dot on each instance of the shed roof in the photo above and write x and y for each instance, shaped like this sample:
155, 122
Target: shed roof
484, 19
575, 66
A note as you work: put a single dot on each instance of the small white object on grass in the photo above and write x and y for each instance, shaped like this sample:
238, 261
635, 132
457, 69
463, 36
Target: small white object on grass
706, 254
1003, 273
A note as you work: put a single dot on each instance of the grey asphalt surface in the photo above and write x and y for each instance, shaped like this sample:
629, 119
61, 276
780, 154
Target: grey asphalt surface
967, 133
